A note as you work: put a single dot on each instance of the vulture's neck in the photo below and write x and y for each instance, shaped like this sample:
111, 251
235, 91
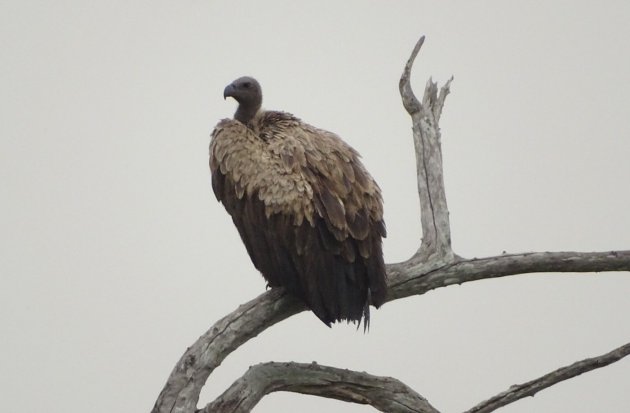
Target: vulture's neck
246, 112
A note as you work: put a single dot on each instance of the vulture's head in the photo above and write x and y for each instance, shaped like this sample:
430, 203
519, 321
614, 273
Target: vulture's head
247, 92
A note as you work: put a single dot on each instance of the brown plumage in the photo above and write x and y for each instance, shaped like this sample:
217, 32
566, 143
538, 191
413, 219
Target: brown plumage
309, 214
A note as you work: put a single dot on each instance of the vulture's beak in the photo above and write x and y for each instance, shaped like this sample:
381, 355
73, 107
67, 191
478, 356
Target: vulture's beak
228, 91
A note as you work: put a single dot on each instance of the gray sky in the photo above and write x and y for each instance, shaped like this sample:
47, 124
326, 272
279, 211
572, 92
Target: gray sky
115, 256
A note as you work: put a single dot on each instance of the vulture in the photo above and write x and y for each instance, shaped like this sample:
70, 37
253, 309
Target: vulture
307, 210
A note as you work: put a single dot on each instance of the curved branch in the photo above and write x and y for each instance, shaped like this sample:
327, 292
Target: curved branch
383, 393
436, 231
410, 101
412, 277
530, 388
181, 392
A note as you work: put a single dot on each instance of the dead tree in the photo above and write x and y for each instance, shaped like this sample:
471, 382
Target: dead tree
434, 265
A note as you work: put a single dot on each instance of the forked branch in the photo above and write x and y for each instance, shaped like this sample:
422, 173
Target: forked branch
413, 277
433, 266
436, 231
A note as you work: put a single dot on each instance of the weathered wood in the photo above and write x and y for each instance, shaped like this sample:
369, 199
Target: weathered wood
412, 277
433, 266
385, 394
529, 389
181, 392
436, 232
431, 275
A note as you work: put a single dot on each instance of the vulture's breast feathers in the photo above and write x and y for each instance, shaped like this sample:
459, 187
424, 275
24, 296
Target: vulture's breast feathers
297, 170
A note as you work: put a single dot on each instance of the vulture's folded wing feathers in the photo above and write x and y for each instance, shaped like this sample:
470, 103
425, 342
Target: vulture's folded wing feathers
308, 212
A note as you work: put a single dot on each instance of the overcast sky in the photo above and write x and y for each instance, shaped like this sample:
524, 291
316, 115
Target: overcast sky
115, 256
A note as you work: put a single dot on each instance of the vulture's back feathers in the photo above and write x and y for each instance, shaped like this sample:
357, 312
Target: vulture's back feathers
309, 214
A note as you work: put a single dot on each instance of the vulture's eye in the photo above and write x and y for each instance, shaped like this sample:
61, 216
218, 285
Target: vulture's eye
247, 85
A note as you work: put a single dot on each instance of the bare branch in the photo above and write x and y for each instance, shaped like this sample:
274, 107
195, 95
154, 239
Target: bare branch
414, 277
383, 393
439, 102
436, 232
433, 266
181, 392
530, 388
410, 101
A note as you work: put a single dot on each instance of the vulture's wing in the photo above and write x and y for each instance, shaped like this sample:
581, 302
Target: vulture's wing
310, 215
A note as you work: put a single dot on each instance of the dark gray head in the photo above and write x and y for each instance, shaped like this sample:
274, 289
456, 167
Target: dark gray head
247, 92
